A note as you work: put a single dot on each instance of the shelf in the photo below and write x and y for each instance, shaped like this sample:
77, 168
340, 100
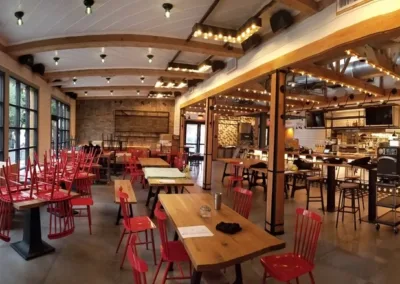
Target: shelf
391, 218
392, 202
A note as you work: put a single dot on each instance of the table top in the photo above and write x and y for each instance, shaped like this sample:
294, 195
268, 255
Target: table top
28, 204
221, 250
153, 162
299, 172
169, 181
246, 163
126, 188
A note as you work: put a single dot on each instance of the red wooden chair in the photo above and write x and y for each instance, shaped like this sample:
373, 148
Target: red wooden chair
133, 226
242, 201
235, 177
6, 212
139, 266
289, 266
171, 251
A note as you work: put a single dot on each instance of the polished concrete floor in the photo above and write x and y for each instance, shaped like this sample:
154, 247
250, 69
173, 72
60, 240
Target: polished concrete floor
343, 256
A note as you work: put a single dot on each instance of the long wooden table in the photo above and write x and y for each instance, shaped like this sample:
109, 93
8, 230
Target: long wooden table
244, 163
153, 162
221, 250
32, 245
126, 188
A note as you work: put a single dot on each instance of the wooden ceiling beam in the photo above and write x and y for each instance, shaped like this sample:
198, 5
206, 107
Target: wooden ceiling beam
125, 72
308, 7
318, 71
121, 88
121, 40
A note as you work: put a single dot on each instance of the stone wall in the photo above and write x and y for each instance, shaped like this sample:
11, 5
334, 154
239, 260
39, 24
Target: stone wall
228, 129
96, 117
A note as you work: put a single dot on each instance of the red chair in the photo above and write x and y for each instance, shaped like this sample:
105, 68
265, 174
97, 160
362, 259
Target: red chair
139, 267
289, 266
242, 201
171, 251
235, 177
133, 226
6, 212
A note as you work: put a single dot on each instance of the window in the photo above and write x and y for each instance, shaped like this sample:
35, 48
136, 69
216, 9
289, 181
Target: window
23, 122
60, 116
1, 116
195, 137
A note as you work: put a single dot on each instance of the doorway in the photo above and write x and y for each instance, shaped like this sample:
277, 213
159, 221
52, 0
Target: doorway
195, 137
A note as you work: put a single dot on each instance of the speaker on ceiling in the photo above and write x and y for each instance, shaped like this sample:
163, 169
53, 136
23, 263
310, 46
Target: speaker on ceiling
281, 20
217, 65
38, 68
251, 42
72, 95
193, 82
26, 60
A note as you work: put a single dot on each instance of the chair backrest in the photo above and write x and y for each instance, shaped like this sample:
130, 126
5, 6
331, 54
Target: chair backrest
307, 230
139, 267
125, 209
162, 227
242, 199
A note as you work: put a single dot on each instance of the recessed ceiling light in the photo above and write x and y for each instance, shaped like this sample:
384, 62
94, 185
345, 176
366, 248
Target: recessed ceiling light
108, 80
103, 57
19, 16
167, 7
56, 59
88, 4
150, 57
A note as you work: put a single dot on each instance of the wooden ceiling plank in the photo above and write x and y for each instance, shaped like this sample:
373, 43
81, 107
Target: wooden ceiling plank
121, 88
121, 40
309, 7
346, 63
125, 72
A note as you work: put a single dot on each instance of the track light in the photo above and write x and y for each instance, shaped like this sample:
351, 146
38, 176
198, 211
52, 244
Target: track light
19, 16
111, 92
56, 59
74, 80
167, 7
85, 93
88, 4
108, 80
150, 57
142, 79
103, 57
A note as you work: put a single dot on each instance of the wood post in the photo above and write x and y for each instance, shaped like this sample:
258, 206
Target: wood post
215, 141
274, 221
182, 134
208, 155
262, 132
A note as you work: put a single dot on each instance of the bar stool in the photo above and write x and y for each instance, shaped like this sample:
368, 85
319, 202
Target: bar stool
349, 191
352, 178
320, 198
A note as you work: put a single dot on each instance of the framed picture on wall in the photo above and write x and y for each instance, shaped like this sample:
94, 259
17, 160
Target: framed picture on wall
346, 5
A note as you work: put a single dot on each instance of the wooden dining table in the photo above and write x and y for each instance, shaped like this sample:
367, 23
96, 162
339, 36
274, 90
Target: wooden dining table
220, 250
244, 163
153, 162
32, 245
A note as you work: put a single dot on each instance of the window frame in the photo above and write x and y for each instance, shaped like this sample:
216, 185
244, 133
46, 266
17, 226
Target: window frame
63, 118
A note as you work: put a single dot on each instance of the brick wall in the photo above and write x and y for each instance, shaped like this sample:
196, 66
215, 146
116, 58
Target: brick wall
96, 117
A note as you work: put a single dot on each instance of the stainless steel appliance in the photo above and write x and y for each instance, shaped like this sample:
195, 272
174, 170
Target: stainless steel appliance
388, 161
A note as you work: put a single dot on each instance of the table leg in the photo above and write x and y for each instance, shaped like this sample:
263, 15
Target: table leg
331, 188
118, 216
293, 186
196, 277
238, 270
149, 195
32, 245
155, 202
224, 173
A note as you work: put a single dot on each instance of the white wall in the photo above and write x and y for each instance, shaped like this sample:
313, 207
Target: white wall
312, 29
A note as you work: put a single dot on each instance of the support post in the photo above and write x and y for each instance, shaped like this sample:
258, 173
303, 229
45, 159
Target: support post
182, 134
208, 155
274, 217
262, 133
215, 141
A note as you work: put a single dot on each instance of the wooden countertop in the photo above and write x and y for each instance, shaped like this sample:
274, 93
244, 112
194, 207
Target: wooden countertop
153, 162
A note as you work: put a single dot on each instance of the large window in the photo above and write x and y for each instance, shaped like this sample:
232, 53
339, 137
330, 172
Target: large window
23, 122
1, 116
60, 116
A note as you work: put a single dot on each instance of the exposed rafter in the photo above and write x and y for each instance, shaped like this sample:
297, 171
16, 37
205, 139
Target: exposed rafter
121, 88
124, 72
121, 40
304, 6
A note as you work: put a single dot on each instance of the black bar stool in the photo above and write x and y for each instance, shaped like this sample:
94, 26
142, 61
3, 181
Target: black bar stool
352, 178
320, 198
349, 191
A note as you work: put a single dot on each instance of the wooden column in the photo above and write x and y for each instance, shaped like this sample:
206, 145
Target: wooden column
208, 155
182, 134
215, 141
276, 158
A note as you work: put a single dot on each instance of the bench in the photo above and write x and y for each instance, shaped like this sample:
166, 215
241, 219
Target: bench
126, 188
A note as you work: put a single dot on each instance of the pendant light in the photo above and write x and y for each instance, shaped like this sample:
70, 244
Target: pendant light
103, 57
56, 59
88, 4
85, 93
108, 80
167, 7
74, 80
111, 92
150, 57
138, 92
19, 16
142, 79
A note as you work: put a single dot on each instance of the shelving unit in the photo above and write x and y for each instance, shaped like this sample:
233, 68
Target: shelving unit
392, 217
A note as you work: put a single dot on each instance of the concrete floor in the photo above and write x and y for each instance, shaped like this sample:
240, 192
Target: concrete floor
343, 255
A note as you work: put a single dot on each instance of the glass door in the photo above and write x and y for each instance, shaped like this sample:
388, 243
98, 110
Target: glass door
195, 137
54, 134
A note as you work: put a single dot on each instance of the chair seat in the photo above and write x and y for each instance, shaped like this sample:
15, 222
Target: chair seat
348, 185
139, 224
177, 252
315, 178
285, 267
82, 201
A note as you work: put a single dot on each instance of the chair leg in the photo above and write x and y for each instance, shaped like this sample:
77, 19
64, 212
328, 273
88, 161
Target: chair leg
126, 250
297, 280
166, 272
89, 219
322, 196
120, 240
147, 240
311, 277
308, 193
153, 247
339, 208
353, 207
157, 271
264, 277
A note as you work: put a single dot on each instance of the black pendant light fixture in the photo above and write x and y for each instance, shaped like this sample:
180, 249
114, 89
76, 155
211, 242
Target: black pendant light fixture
150, 57
108, 80
111, 92
74, 80
19, 16
103, 57
88, 4
167, 7
138, 92
85, 93
56, 59
142, 79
